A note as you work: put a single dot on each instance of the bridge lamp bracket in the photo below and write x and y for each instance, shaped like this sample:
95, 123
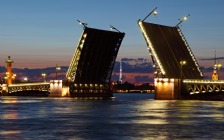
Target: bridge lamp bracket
113, 28
182, 20
83, 24
153, 12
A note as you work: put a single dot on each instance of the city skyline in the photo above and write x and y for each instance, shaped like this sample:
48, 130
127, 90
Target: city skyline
39, 34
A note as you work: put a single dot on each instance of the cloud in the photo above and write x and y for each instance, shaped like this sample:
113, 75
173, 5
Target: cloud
143, 79
134, 60
212, 59
145, 67
134, 70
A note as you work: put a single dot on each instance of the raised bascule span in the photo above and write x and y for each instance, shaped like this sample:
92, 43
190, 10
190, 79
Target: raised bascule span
168, 47
91, 66
177, 73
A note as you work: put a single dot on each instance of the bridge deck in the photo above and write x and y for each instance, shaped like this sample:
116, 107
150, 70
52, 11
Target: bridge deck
95, 55
93, 62
169, 47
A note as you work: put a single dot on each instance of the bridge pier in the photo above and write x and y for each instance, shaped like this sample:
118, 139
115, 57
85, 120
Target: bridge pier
167, 89
57, 89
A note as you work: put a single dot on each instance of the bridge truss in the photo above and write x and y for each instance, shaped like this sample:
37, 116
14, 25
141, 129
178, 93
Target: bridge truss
42, 88
203, 86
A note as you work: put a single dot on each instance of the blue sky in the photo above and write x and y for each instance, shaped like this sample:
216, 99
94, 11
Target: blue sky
43, 33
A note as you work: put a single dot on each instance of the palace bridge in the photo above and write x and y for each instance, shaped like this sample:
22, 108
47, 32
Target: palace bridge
177, 73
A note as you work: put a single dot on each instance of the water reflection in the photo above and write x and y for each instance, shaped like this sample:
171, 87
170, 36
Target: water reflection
124, 117
9, 132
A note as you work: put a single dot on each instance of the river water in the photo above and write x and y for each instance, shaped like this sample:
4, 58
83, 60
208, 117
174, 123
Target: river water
125, 117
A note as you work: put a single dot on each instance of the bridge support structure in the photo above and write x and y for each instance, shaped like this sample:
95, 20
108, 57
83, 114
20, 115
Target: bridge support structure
54, 88
167, 89
195, 86
57, 89
4, 89
204, 89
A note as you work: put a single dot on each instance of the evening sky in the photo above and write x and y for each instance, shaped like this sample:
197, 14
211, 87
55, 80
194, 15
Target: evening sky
43, 33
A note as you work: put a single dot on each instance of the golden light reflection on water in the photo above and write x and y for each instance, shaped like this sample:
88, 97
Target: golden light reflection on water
10, 132
178, 112
18, 101
151, 121
153, 113
10, 115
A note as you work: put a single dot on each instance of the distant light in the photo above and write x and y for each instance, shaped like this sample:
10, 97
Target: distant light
58, 68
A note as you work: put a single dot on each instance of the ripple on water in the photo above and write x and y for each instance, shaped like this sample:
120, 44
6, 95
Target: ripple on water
128, 117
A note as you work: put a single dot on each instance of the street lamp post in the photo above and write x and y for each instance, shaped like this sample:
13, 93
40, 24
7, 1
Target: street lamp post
153, 12
58, 68
181, 74
25, 79
181, 65
182, 20
44, 76
218, 67
14, 77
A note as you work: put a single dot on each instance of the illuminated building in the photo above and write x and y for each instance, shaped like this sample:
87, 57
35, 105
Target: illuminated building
215, 75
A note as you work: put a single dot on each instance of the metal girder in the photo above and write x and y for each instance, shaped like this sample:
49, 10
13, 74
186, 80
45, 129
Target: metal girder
158, 69
13, 88
72, 70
